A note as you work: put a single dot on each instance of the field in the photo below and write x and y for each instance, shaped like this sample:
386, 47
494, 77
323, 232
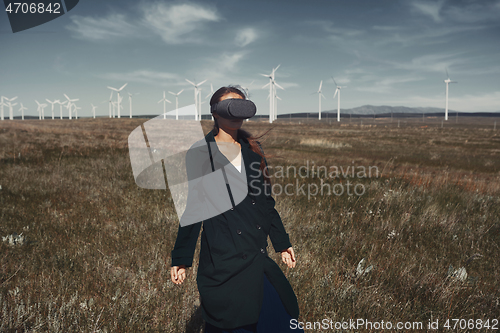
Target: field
92, 251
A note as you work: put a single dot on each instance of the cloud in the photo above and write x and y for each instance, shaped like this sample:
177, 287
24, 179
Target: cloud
176, 24
144, 76
475, 12
108, 27
245, 37
222, 67
429, 63
431, 9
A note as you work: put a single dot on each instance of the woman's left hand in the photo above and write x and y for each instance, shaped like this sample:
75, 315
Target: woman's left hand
288, 257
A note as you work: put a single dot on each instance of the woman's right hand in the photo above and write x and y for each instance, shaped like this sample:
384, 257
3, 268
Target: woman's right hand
178, 274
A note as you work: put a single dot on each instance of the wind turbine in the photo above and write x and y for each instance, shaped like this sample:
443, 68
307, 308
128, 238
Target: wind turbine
60, 107
447, 81
198, 107
211, 91
22, 108
93, 109
337, 91
176, 103
76, 111
119, 100
130, 101
2, 104
319, 97
164, 100
247, 89
272, 87
54, 102
10, 105
70, 104
40, 110
11, 111
111, 105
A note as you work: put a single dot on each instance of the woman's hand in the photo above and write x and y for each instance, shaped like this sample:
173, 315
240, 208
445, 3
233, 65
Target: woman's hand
288, 257
178, 274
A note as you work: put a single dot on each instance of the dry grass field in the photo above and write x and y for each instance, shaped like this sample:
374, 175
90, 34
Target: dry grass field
92, 251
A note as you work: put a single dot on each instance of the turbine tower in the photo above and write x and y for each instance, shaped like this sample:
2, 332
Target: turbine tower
164, 100
176, 103
40, 110
60, 107
2, 104
93, 109
70, 104
447, 81
337, 91
198, 106
22, 108
319, 97
10, 105
272, 88
118, 99
130, 101
54, 102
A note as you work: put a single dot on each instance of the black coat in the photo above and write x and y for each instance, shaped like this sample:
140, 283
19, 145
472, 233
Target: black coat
233, 256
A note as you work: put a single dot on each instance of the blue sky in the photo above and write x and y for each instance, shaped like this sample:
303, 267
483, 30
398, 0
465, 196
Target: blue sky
385, 52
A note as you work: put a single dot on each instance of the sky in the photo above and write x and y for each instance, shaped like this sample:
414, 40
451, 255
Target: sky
383, 52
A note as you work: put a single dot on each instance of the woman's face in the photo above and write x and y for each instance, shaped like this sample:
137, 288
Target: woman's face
229, 124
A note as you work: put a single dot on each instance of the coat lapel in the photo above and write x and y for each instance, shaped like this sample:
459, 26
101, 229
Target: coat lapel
249, 156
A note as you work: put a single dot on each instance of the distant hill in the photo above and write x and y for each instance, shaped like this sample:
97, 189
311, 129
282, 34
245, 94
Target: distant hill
385, 109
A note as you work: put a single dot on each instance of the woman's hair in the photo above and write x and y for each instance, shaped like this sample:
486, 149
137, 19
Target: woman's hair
252, 140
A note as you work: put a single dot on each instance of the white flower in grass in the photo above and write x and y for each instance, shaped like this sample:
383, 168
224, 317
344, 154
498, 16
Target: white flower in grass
360, 270
14, 239
458, 274
392, 234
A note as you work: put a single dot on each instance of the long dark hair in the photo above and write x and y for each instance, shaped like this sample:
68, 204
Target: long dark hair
252, 140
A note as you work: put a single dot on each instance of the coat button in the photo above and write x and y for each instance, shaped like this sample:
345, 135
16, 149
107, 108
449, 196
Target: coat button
259, 227
253, 202
262, 251
244, 256
232, 208
238, 232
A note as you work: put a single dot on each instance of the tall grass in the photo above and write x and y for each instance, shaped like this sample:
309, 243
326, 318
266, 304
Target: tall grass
96, 255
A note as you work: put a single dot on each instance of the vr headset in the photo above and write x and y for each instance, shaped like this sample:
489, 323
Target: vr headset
234, 108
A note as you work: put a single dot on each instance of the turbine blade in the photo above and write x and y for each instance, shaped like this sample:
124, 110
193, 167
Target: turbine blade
334, 81
336, 91
190, 82
320, 84
202, 82
265, 86
123, 86
277, 85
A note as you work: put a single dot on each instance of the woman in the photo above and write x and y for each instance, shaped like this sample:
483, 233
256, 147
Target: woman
241, 288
